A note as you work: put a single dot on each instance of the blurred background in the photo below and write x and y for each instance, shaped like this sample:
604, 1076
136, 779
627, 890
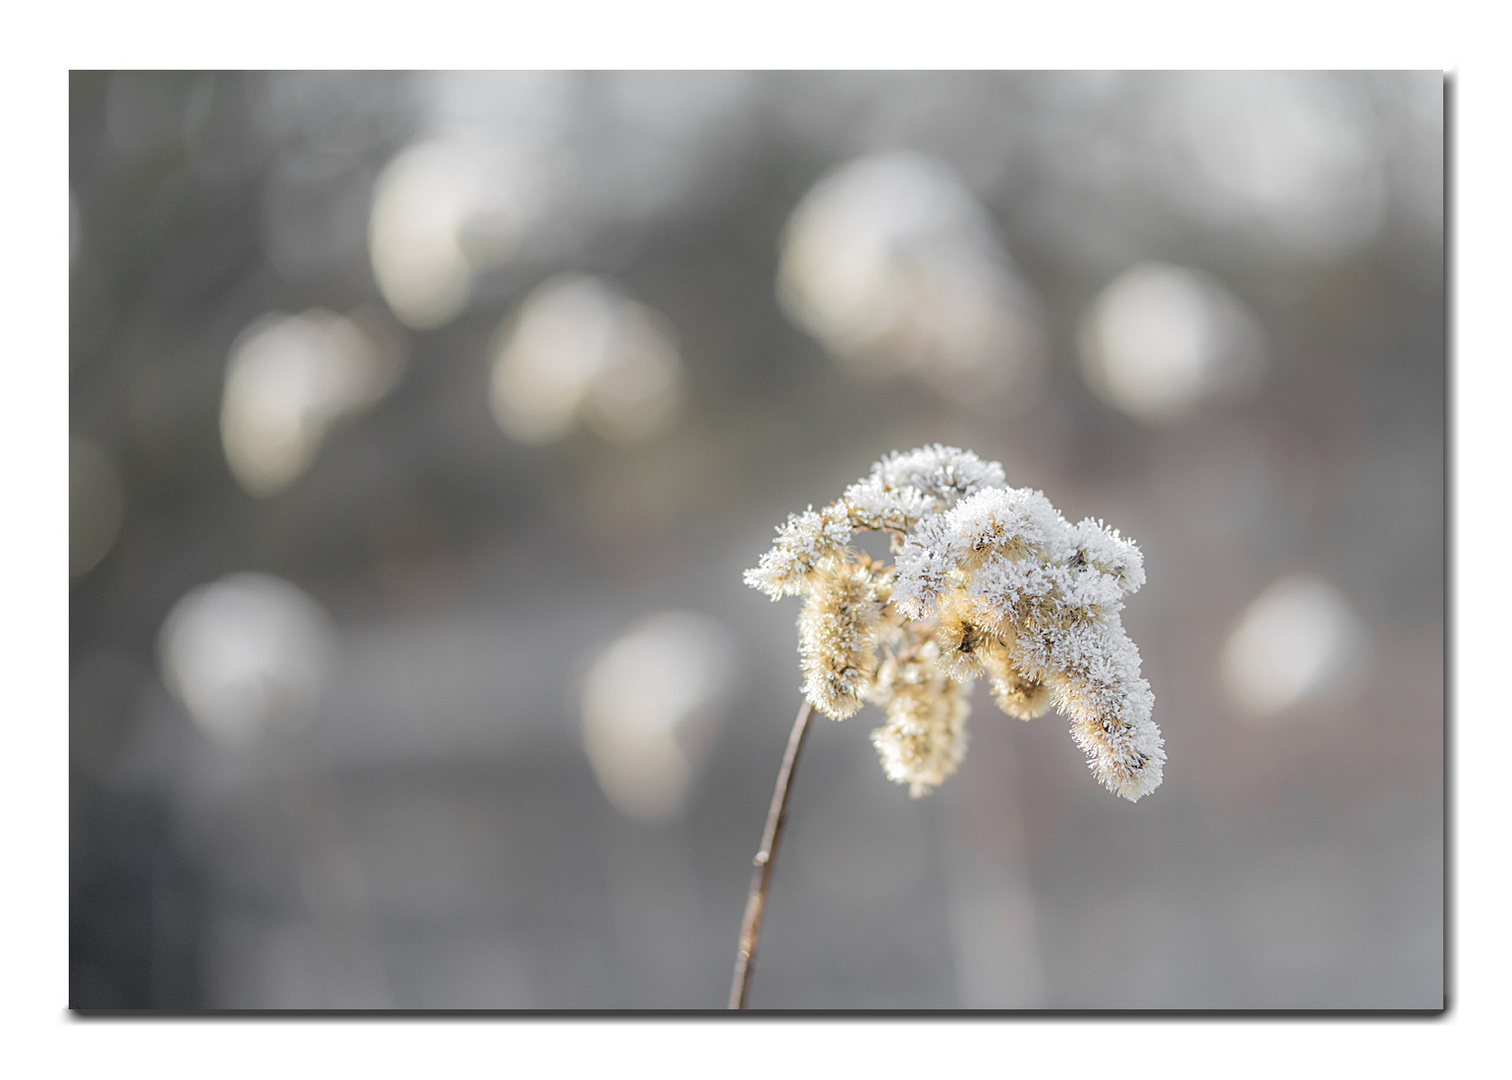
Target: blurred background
421, 426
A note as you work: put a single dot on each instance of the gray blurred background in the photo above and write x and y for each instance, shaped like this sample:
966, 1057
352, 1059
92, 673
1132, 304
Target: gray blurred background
421, 426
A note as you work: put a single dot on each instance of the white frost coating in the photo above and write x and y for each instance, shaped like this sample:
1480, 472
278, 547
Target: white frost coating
997, 516
945, 472
806, 539
989, 580
926, 561
1106, 549
882, 507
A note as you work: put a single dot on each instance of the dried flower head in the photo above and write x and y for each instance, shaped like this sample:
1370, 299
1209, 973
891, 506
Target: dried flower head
988, 580
925, 737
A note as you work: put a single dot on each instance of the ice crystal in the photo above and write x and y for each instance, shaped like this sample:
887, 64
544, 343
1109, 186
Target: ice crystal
988, 581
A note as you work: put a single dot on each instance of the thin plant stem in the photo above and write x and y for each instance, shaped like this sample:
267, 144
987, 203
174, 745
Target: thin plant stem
750, 930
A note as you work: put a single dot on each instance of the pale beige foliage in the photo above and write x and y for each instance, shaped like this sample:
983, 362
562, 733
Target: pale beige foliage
989, 581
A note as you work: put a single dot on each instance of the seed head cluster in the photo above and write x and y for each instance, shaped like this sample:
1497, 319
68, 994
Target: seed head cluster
988, 581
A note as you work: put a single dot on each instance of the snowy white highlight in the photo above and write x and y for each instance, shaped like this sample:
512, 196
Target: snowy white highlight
1160, 340
989, 580
289, 380
652, 705
246, 654
1295, 641
580, 351
893, 266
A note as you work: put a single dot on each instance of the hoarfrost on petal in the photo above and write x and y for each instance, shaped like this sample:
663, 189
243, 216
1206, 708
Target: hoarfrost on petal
1015, 518
945, 472
1108, 551
802, 542
996, 578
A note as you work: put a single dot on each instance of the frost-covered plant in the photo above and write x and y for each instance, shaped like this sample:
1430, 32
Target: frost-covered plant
988, 581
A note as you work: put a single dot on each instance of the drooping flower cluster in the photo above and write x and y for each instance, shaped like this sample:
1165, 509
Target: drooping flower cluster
988, 580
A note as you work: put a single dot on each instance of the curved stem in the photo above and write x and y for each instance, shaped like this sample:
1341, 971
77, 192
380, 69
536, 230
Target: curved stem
750, 930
